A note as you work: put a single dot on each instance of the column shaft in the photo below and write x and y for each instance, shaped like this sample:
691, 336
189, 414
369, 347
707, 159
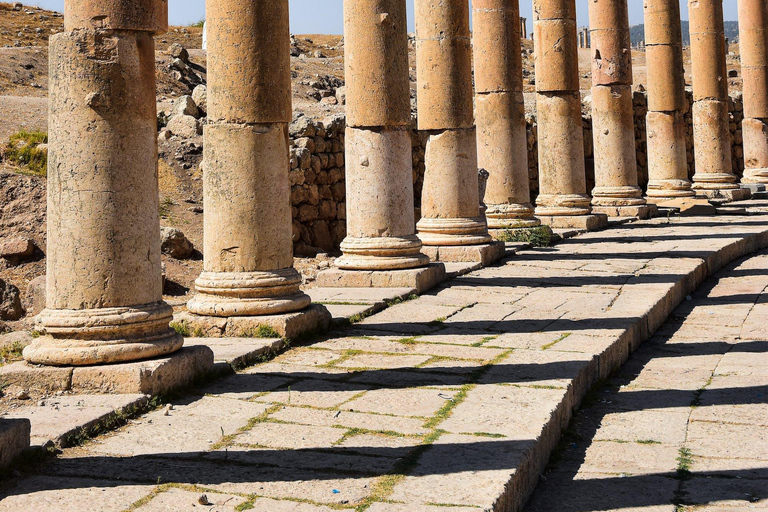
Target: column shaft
667, 161
712, 139
248, 268
562, 175
381, 234
613, 122
450, 205
104, 291
502, 145
753, 44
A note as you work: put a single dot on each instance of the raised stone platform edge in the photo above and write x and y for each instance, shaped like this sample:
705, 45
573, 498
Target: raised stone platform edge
582, 223
420, 279
484, 254
533, 461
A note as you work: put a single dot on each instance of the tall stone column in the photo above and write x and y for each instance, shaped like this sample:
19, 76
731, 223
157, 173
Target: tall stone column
667, 161
381, 233
450, 205
753, 44
502, 141
563, 201
712, 139
616, 190
104, 289
248, 271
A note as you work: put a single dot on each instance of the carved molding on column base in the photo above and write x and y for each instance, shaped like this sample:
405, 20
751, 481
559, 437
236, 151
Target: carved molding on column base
228, 294
668, 189
755, 176
642, 212
103, 336
706, 181
511, 216
484, 254
418, 279
594, 222
289, 325
617, 196
552, 205
381, 253
453, 232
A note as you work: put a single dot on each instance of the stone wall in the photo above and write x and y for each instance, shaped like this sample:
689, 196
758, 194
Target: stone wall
317, 168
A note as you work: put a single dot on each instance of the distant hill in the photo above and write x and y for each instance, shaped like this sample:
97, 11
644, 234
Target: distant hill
731, 32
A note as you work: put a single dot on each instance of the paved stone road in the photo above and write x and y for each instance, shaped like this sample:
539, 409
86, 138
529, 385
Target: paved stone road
453, 401
684, 425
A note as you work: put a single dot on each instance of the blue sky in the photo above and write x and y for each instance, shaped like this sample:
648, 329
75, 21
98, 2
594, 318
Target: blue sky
324, 16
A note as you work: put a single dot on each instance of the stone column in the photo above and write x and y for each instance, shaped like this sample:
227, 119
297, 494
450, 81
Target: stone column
563, 199
104, 290
248, 271
380, 210
450, 205
667, 161
753, 44
502, 142
616, 190
712, 138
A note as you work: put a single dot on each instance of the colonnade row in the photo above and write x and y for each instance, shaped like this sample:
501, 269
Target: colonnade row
104, 294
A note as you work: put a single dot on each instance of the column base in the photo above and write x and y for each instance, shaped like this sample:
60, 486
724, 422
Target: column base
726, 195
152, 377
103, 336
287, 325
454, 232
381, 253
232, 294
755, 176
594, 222
642, 212
667, 189
418, 279
553, 205
484, 254
617, 197
510, 216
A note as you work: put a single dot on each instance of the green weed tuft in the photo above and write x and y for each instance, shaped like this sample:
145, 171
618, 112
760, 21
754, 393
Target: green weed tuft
23, 150
540, 236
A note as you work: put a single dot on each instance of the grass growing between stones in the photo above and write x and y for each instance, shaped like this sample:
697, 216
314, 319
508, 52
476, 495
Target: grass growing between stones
540, 236
261, 332
11, 353
23, 150
184, 329
684, 463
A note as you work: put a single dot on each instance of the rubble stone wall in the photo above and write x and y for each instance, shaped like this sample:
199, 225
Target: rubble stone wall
317, 168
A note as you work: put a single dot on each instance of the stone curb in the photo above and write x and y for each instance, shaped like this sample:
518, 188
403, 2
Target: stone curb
533, 461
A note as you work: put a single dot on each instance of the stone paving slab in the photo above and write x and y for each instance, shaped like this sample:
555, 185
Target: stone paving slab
456, 400
60, 420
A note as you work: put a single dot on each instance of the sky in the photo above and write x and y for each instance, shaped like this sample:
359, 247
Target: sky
324, 16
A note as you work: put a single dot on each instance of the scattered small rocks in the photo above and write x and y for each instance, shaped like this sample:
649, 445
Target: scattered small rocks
15, 250
175, 244
178, 52
185, 126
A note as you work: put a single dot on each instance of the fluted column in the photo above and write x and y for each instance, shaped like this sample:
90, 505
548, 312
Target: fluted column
104, 286
248, 269
613, 121
450, 205
562, 174
753, 44
380, 212
712, 138
665, 125
502, 142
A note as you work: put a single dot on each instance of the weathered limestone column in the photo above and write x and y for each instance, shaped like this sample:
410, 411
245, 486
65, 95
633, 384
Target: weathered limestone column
616, 192
712, 139
248, 272
563, 201
753, 44
104, 291
381, 232
502, 142
450, 205
667, 161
